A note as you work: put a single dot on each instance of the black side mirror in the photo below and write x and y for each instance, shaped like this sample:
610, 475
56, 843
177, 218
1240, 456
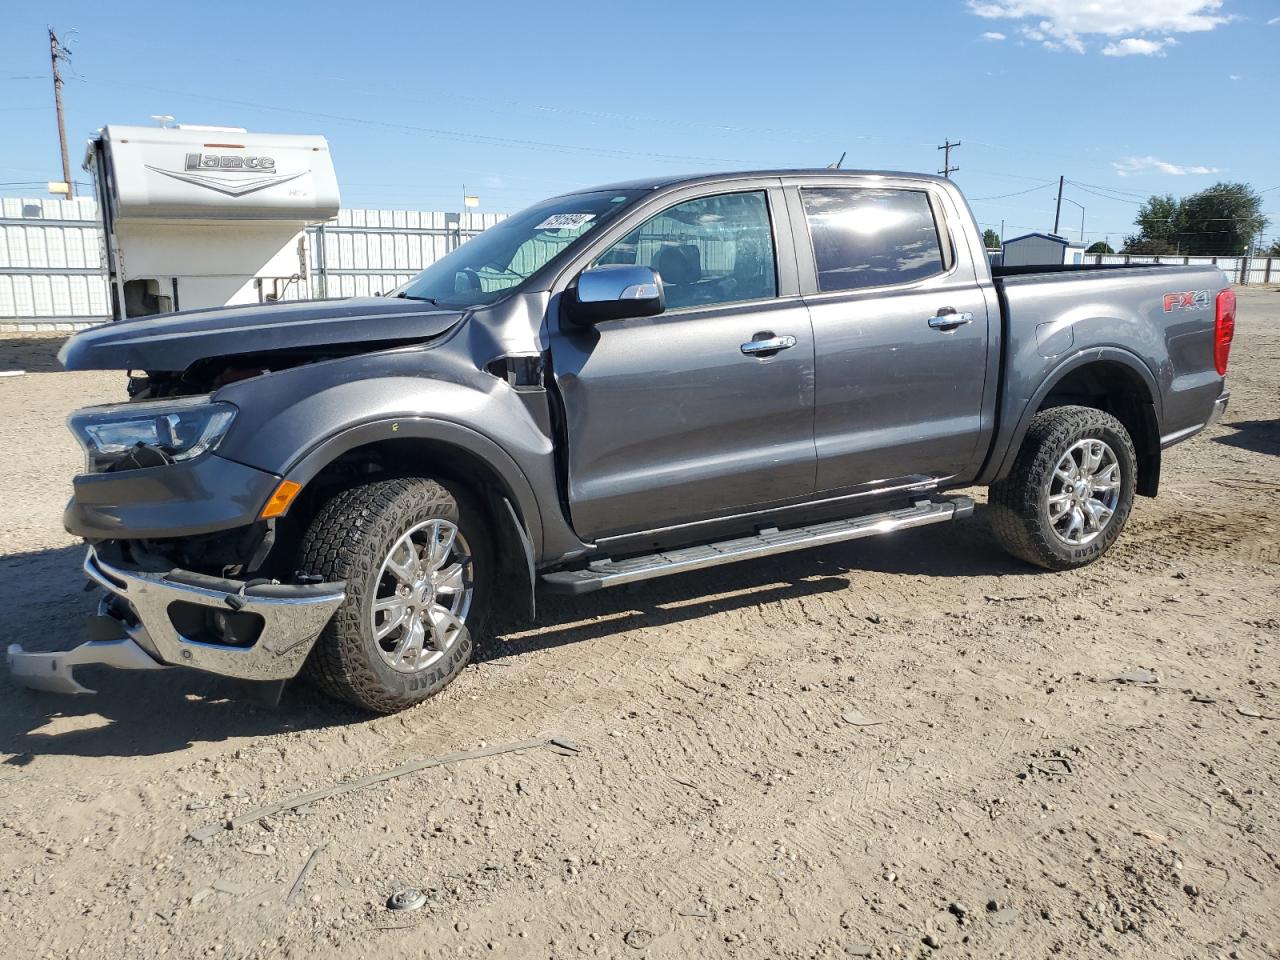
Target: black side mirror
615, 291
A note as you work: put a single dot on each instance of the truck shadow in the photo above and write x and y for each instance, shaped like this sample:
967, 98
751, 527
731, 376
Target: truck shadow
1259, 436
147, 714
133, 714
963, 549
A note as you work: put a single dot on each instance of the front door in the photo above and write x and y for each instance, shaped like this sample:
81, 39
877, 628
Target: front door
900, 326
683, 416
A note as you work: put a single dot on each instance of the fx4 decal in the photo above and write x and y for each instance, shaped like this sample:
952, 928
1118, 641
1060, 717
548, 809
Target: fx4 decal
1187, 300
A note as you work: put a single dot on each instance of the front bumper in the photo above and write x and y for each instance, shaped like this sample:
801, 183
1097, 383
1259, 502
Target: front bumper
147, 607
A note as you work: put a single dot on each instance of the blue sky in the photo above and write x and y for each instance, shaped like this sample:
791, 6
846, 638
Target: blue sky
522, 100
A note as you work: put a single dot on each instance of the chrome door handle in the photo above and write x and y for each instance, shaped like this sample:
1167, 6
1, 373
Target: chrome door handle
770, 345
949, 321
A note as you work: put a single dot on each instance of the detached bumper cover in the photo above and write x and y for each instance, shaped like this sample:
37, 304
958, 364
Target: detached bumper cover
292, 617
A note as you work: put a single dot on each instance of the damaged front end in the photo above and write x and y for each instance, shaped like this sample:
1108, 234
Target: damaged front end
180, 540
247, 629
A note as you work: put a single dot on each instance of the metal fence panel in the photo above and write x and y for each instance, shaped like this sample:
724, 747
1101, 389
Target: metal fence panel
51, 257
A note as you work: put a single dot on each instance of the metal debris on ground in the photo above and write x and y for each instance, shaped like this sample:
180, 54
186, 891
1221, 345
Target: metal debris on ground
638, 938
426, 763
856, 719
296, 890
410, 898
1256, 715
1135, 676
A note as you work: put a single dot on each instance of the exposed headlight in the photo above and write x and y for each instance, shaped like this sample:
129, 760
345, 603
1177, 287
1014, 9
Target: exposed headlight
125, 436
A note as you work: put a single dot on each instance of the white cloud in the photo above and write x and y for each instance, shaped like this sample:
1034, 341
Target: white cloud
1137, 47
1274, 21
992, 35
1129, 166
1070, 24
1234, 76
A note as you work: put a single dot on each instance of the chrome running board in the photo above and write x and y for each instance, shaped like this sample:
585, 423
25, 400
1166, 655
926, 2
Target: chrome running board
611, 573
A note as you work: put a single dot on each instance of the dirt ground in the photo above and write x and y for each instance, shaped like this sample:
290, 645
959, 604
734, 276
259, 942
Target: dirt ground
894, 748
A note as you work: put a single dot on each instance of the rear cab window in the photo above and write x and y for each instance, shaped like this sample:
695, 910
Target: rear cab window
872, 237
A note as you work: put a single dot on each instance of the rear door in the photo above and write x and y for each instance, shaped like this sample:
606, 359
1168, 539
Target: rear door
679, 417
900, 331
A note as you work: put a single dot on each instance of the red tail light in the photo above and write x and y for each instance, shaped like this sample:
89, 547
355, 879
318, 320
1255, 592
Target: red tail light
1224, 329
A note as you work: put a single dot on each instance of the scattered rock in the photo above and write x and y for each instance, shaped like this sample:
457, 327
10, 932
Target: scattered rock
858, 949
1191, 890
932, 942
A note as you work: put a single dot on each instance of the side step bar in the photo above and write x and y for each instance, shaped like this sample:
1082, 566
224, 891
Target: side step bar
612, 573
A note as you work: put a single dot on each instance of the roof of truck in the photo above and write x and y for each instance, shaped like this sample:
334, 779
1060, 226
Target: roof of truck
658, 183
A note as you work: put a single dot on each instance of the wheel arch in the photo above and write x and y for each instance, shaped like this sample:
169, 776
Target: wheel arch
1108, 379
440, 450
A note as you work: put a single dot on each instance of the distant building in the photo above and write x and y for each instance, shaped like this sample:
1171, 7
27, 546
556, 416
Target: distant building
1038, 249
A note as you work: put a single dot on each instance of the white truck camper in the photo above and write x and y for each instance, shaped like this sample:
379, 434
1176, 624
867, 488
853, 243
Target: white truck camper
207, 216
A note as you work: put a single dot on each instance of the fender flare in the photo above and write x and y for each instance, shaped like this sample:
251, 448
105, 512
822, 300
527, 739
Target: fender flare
518, 489
1119, 355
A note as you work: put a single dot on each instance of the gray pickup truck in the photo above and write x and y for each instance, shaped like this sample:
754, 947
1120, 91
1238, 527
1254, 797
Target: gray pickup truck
616, 384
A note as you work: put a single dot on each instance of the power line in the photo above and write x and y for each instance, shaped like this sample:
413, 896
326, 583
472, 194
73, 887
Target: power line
1019, 193
438, 132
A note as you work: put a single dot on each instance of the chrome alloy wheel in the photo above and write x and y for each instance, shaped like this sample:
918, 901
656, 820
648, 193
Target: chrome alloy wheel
422, 595
1084, 491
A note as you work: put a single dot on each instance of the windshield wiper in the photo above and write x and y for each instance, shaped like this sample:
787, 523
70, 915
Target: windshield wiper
431, 300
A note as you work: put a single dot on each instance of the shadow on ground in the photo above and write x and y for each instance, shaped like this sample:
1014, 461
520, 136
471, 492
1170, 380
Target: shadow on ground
34, 354
147, 714
1259, 436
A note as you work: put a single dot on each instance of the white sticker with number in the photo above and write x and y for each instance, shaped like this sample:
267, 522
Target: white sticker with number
565, 221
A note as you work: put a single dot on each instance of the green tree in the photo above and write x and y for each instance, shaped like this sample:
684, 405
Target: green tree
1219, 221
1156, 222
990, 239
1100, 246
1271, 251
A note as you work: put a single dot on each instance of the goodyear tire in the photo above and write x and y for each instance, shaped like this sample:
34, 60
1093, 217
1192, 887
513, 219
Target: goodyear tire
416, 557
1070, 491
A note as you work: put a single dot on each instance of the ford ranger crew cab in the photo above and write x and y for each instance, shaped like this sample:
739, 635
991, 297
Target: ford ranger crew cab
620, 383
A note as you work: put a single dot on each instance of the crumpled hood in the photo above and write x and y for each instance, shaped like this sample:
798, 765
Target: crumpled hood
173, 341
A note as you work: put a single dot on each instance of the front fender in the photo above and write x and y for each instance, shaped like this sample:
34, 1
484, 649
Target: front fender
294, 422
427, 428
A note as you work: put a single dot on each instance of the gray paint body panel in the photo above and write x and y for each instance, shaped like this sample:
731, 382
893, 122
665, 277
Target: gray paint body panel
662, 422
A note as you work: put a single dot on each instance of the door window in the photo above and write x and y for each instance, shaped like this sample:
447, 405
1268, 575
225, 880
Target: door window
710, 250
871, 238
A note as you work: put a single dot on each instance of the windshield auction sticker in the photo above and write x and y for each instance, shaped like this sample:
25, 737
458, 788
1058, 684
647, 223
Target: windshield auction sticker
565, 221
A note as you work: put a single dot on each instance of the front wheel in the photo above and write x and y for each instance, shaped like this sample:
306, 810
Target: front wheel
1070, 490
415, 556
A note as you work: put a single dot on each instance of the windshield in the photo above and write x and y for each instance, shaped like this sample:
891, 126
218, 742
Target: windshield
492, 264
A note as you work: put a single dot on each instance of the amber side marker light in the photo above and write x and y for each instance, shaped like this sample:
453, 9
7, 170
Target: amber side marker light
280, 500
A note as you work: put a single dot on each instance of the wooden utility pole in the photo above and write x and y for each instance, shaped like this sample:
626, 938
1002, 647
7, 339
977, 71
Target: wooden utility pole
1058, 214
946, 148
58, 53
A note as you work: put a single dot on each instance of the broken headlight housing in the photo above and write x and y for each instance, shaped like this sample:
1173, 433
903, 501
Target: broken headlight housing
126, 436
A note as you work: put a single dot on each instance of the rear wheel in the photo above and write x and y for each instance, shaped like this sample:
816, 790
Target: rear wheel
1070, 490
415, 556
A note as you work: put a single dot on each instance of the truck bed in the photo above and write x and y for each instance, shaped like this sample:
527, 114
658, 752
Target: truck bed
1050, 313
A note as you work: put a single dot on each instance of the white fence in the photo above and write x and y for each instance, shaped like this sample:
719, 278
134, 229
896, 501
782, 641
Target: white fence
1240, 270
51, 257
